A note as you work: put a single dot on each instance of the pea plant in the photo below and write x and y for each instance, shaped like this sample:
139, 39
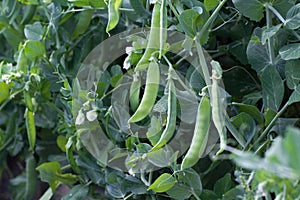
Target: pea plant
149, 99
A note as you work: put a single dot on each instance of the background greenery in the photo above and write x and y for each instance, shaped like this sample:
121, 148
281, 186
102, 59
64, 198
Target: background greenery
43, 44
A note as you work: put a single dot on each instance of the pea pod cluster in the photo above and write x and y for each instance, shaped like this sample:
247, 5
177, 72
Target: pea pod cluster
158, 30
171, 118
200, 136
149, 96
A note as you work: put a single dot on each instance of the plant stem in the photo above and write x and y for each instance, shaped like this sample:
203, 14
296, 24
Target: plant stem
205, 27
270, 40
211, 19
270, 125
268, 6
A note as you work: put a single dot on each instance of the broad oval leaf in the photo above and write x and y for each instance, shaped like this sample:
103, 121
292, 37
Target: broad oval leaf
163, 183
295, 96
292, 73
290, 51
34, 31
250, 8
293, 17
272, 88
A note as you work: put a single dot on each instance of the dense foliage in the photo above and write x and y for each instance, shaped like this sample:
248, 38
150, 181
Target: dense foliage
239, 99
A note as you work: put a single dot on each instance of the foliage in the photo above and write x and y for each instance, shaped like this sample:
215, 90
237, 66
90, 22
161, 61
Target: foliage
254, 45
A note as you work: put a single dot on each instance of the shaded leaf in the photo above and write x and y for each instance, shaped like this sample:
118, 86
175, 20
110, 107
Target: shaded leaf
272, 88
290, 51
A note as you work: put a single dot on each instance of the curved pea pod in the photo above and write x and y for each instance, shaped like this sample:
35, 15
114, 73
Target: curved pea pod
200, 136
218, 105
171, 118
134, 93
149, 97
30, 126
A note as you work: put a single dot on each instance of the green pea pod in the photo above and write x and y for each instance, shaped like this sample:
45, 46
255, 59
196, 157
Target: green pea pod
30, 126
134, 93
153, 42
217, 105
149, 97
200, 136
163, 27
31, 178
28, 100
171, 119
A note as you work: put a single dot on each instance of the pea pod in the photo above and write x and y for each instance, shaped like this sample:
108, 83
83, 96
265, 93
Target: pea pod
157, 35
30, 126
200, 136
134, 93
163, 27
217, 105
28, 101
31, 178
171, 119
149, 97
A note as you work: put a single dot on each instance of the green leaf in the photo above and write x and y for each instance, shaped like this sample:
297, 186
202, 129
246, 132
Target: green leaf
179, 192
154, 131
250, 8
113, 14
210, 4
223, 185
269, 115
290, 51
163, 183
272, 88
92, 3
48, 171
34, 31
61, 142
34, 50
250, 110
245, 124
192, 179
162, 157
295, 96
83, 22
293, 17
77, 192
257, 53
187, 21
269, 32
292, 73
51, 172
4, 91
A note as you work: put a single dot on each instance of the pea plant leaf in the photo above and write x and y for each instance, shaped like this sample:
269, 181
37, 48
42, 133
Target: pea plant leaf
272, 88
292, 73
251, 8
293, 17
290, 51
34, 31
113, 14
163, 183
257, 53
295, 96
